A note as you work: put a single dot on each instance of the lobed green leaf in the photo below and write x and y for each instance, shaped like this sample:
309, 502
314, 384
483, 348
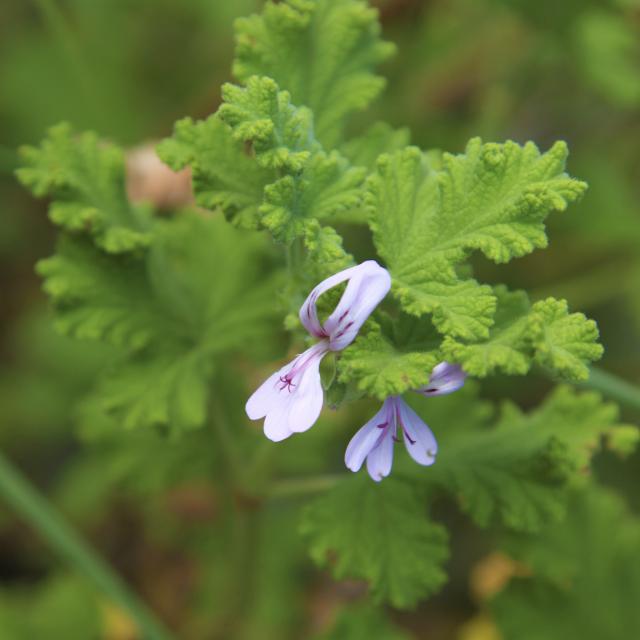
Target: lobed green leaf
565, 343
281, 134
545, 333
517, 472
322, 52
427, 219
86, 180
224, 175
197, 293
393, 360
379, 533
327, 188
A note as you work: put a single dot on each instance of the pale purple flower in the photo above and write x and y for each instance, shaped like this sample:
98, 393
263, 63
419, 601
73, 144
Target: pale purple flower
291, 399
374, 442
445, 378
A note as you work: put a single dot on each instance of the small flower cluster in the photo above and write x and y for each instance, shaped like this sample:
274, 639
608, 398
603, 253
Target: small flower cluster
291, 399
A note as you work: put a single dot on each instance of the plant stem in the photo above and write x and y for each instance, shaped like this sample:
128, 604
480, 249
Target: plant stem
304, 485
41, 515
614, 387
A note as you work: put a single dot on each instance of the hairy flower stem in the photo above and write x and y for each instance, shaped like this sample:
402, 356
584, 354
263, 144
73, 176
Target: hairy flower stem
41, 515
614, 387
294, 256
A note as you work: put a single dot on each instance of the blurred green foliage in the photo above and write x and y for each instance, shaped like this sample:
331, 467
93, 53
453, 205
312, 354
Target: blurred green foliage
519, 69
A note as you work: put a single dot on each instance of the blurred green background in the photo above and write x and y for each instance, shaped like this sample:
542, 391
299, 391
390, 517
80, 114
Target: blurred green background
537, 70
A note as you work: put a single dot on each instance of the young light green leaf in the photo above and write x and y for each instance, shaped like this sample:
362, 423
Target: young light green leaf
315, 184
223, 175
400, 199
391, 360
508, 347
564, 343
322, 51
326, 188
325, 253
379, 533
86, 180
281, 134
493, 198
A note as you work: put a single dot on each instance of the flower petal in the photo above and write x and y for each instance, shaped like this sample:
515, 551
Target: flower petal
380, 460
276, 425
266, 396
368, 285
308, 311
306, 401
366, 439
294, 405
418, 438
445, 378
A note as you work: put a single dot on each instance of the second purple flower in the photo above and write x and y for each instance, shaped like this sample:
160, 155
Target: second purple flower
374, 441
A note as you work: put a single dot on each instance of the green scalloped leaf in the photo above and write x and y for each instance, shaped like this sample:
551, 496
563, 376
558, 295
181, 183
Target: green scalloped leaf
426, 221
508, 348
391, 361
322, 52
545, 333
517, 471
85, 177
565, 343
327, 187
198, 292
314, 185
280, 133
325, 253
223, 174
380, 533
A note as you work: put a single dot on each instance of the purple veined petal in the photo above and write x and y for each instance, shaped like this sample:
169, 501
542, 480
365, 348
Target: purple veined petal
291, 399
267, 395
418, 438
308, 311
445, 378
367, 437
276, 423
380, 459
306, 402
366, 288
